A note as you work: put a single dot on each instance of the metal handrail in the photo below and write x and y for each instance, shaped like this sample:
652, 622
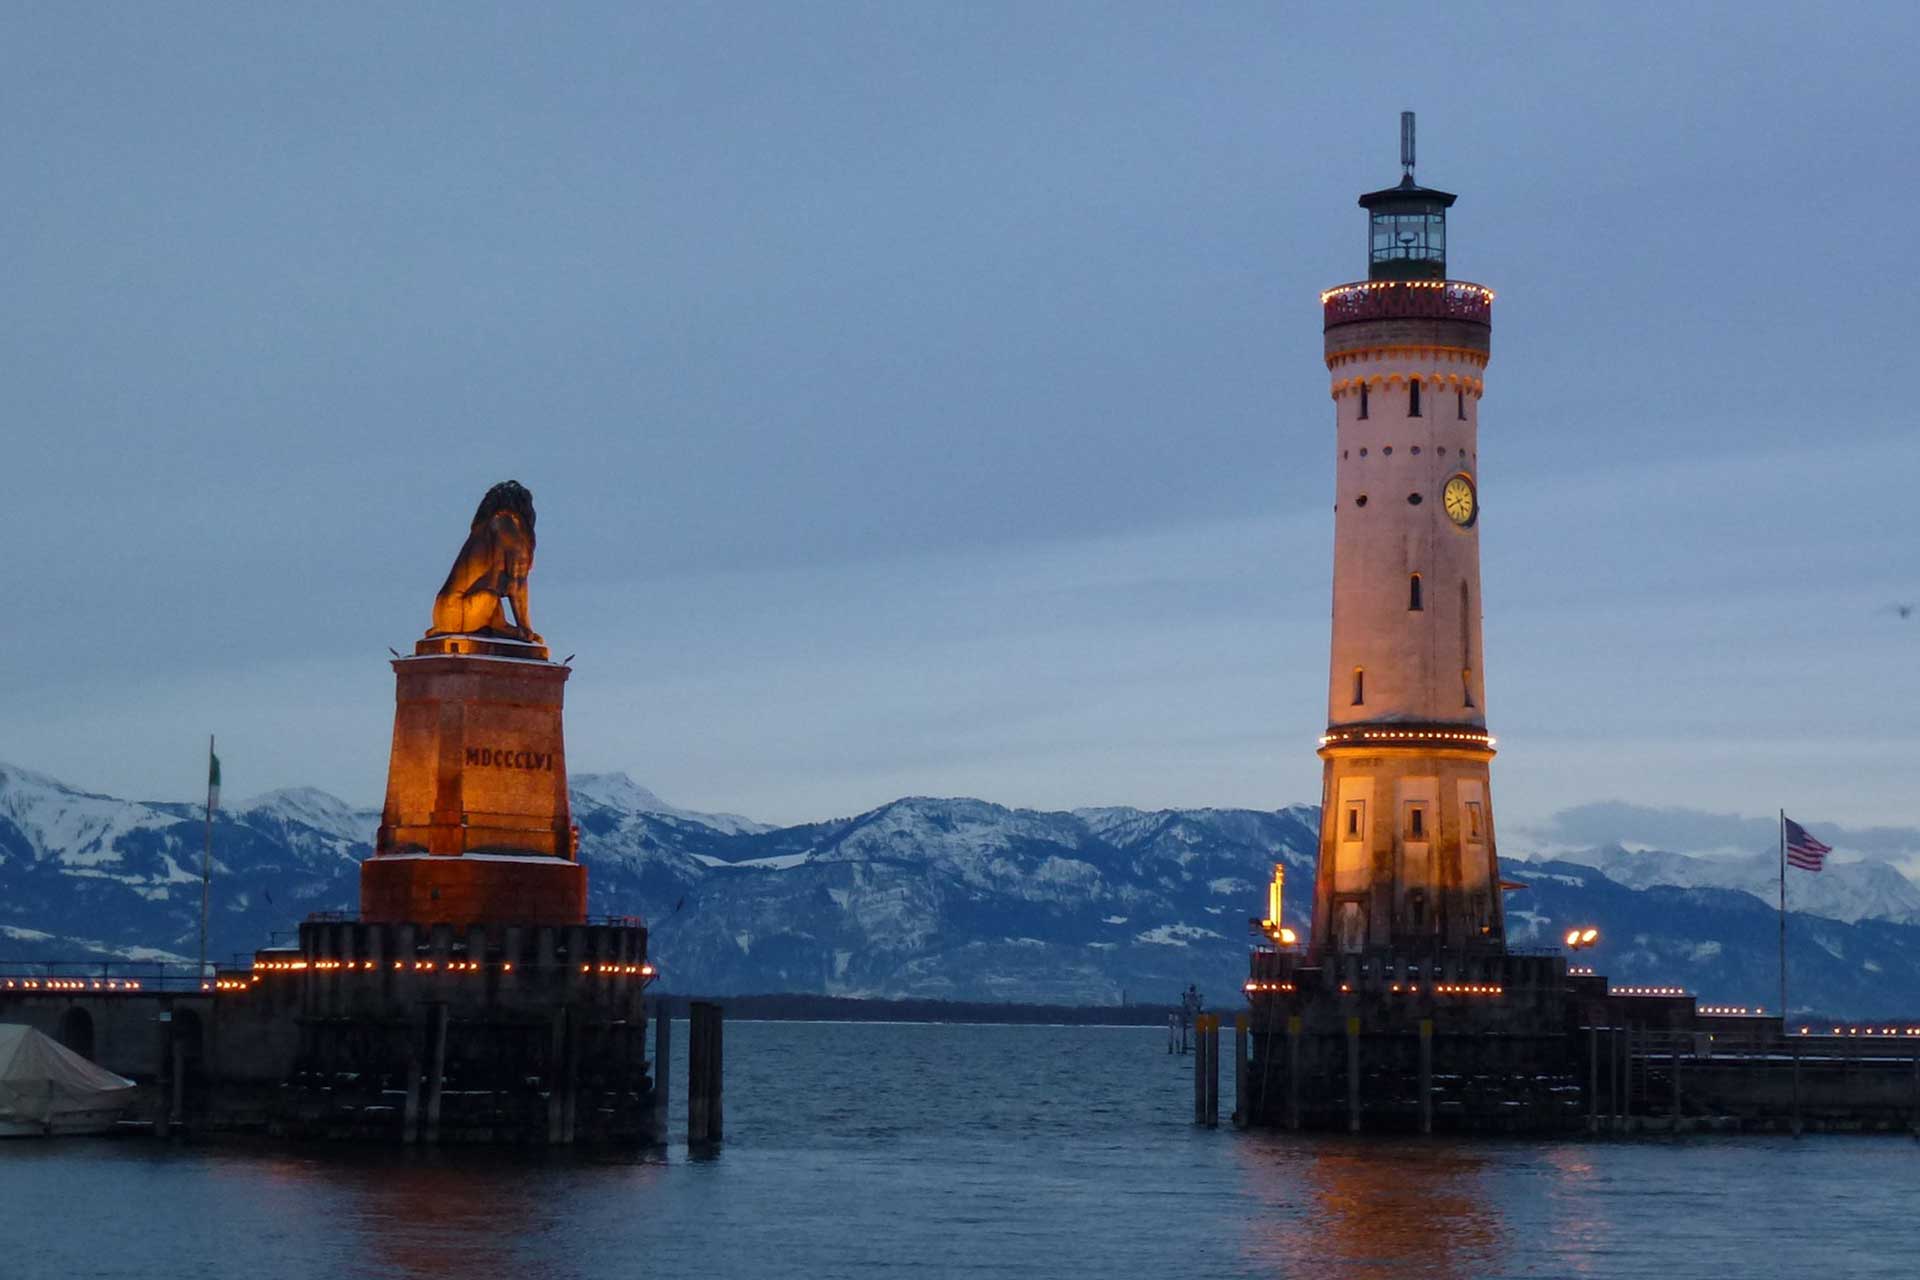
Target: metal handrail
612, 921
109, 976
1407, 299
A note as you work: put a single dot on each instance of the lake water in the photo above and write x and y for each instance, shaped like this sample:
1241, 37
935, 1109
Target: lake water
874, 1149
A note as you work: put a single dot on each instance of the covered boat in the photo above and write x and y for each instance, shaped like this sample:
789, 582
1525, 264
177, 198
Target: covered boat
47, 1088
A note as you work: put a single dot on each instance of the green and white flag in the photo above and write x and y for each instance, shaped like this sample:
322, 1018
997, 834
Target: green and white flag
213, 780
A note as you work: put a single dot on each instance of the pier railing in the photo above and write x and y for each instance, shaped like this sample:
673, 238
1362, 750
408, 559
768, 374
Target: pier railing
607, 921
101, 977
1407, 300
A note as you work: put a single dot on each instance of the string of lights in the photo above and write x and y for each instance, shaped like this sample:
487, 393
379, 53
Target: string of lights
1461, 287
1471, 737
621, 969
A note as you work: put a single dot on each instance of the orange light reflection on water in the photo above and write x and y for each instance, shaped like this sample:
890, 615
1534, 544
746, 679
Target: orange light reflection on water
1362, 1209
1370, 1208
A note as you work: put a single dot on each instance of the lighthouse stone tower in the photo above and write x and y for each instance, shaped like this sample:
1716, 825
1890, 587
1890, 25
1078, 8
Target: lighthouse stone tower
1407, 1010
1407, 860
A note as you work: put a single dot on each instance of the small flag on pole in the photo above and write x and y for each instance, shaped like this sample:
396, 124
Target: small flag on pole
213, 780
1803, 851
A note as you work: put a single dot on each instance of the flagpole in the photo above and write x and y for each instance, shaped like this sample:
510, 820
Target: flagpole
206, 864
1783, 919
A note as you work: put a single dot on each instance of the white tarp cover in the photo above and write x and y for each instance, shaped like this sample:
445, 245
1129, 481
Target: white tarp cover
42, 1081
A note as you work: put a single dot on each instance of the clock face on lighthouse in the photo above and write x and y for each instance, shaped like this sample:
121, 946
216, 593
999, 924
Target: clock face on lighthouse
1462, 506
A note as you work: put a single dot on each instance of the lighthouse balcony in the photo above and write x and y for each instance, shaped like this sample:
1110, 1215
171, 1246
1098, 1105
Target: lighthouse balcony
1366, 300
1421, 735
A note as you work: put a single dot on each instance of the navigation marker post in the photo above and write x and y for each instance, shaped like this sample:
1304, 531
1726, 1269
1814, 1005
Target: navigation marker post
206, 853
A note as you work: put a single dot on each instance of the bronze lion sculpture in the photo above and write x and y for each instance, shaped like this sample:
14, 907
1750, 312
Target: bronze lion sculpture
491, 570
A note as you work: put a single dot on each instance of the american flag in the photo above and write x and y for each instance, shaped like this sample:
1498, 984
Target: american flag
1803, 851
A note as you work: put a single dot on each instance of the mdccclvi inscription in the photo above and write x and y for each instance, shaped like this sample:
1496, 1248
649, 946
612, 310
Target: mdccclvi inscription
499, 758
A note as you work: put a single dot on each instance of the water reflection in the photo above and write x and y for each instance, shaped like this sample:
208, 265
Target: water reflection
435, 1215
1362, 1209
1582, 1230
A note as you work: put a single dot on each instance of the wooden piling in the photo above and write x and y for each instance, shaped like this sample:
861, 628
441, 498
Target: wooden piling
1242, 1111
1353, 1075
570, 1082
1213, 1070
703, 1074
1623, 1063
1293, 1072
436, 1071
715, 1076
1796, 1085
696, 1075
1199, 1074
410, 1110
556, 1077
662, 1063
1916, 1094
163, 1122
1676, 1087
1613, 1079
1593, 1079
1627, 1064
1426, 1075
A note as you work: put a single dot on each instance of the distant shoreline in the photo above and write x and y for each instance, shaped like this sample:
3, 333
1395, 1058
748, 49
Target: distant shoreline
812, 1008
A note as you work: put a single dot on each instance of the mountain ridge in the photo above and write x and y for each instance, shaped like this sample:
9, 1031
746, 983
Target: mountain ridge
947, 897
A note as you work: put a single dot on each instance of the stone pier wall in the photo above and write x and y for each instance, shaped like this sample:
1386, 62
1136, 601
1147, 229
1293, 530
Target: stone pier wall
390, 1032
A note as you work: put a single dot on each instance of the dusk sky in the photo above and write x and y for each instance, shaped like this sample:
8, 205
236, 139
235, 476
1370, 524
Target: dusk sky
928, 398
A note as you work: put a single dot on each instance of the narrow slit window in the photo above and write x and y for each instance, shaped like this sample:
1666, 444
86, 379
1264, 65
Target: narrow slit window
1413, 398
1473, 819
1359, 686
1416, 823
1413, 594
1363, 401
1460, 403
1353, 822
1466, 645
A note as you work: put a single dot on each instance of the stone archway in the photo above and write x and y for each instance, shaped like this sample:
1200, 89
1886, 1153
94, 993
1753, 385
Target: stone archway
76, 1031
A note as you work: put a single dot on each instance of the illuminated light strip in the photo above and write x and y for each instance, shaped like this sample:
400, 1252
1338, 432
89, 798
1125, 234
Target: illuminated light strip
260, 967
1252, 987
1414, 735
1407, 988
1370, 286
1729, 1010
1646, 991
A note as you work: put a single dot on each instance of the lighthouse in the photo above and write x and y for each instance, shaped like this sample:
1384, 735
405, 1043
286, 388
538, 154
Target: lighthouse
1407, 859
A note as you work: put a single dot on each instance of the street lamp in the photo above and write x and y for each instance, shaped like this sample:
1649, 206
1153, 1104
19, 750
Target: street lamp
1581, 938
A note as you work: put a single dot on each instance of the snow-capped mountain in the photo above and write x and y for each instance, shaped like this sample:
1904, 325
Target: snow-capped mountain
618, 791
100, 876
1869, 889
953, 898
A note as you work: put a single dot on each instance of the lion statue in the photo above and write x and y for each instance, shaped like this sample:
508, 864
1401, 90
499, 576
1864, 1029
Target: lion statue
491, 570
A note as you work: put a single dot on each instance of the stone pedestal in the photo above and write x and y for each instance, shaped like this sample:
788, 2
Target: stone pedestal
477, 828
